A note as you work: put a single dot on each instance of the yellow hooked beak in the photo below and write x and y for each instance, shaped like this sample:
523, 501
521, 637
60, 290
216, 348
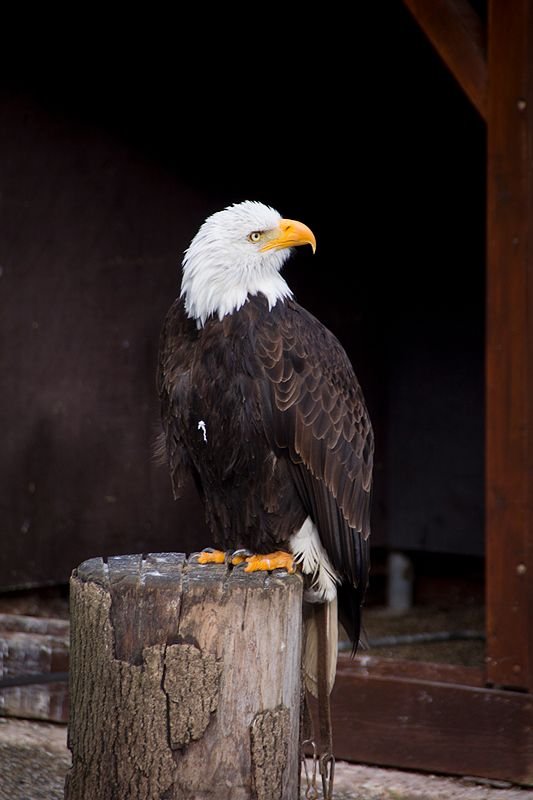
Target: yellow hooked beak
289, 233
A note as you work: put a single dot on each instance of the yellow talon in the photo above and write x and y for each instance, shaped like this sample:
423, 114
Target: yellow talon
212, 557
277, 560
236, 560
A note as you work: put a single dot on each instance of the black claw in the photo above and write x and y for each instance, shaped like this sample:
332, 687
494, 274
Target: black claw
242, 552
193, 557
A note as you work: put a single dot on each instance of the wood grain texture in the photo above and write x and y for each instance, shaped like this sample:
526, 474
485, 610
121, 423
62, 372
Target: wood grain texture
183, 711
374, 666
509, 354
85, 283
426, 724
456, 32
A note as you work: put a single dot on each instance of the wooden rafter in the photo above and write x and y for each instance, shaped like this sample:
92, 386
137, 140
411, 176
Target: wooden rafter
458, 35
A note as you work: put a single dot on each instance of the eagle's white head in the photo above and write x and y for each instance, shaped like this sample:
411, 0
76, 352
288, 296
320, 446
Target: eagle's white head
236, 253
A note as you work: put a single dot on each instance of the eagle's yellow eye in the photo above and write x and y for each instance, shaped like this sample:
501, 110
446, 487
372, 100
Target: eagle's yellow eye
255, 236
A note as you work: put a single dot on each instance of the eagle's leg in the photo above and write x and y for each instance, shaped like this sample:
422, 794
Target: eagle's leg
211, 556
269, 561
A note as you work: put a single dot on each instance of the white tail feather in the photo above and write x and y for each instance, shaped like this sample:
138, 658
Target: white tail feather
308, 551
310, 657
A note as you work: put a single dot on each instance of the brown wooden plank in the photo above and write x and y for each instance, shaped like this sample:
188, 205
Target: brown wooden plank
509, 408
427, 725
76, 462
44, 626
374, 666
34, 646
457, 34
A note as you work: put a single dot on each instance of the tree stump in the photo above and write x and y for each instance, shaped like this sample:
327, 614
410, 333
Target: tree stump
185, 681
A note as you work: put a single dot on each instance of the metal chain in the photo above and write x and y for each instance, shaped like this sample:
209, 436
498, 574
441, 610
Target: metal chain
327, 771
311, 792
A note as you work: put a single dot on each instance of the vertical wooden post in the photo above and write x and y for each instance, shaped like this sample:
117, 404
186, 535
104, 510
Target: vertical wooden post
185, 681
509, 410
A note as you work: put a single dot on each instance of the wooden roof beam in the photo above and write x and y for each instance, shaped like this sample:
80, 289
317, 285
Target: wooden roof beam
458, 35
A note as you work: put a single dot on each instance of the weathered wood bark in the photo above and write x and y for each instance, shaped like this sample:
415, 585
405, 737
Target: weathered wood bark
185, 681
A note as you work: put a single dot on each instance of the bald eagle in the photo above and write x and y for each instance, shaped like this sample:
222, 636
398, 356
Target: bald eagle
261, 405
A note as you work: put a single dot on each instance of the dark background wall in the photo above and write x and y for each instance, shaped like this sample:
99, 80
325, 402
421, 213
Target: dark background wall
111, 158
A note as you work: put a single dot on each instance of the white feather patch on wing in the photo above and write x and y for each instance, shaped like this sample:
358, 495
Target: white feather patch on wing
202, 427
308, 551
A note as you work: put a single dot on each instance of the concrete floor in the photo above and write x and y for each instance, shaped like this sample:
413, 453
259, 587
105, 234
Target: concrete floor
34, 759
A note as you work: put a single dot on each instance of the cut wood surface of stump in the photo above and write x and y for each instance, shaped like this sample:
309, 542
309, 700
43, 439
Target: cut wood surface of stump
185, 681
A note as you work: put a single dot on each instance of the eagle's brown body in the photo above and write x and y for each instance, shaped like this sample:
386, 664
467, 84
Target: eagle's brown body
264, 410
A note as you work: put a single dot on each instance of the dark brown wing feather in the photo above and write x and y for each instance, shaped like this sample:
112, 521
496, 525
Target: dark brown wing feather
176, 353
300, 401
316, 412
